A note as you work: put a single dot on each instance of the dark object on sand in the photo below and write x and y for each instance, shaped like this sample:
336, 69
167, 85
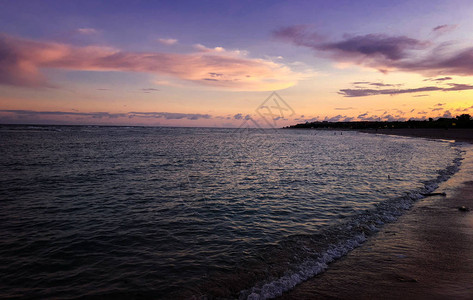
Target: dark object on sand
463, 208
434, 194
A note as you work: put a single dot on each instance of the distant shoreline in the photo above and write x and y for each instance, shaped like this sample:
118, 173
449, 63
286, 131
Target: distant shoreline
457, 134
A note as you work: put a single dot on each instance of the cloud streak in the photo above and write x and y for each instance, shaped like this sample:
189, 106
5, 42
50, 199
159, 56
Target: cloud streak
95, 115
441, 29
168, 116
100, 115
87, 31
377, 84
21, 62
438, 79
372, 92
167, 42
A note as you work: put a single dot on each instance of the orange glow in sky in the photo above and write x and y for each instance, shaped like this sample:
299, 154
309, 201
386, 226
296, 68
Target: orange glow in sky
161, 64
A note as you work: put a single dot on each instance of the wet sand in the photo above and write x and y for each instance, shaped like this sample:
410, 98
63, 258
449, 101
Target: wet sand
461, 135
426, 254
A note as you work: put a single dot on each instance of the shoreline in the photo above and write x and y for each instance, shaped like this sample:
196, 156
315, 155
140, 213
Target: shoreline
457, 134
426, 254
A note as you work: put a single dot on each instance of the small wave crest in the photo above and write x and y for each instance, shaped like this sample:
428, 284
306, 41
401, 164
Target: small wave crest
343, 238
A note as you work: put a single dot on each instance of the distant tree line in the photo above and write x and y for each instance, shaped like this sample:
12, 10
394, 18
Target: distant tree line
462, 121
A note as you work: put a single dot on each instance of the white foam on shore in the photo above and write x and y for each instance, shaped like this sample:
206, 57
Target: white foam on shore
306, 270
358, 229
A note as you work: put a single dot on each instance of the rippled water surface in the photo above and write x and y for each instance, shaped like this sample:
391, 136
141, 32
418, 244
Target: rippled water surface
163, 212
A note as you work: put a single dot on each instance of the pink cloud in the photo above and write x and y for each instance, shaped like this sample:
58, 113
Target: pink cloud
167, 42
21, 61
87, 31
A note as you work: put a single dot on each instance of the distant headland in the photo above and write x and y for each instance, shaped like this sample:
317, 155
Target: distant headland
462, 121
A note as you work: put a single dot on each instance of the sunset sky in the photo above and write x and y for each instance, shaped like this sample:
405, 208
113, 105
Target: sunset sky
215, 63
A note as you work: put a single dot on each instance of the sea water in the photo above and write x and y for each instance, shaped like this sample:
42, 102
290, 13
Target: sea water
177, 212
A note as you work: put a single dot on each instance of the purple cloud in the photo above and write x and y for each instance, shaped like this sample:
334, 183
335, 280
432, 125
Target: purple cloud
379, 51
389, 47
100, 115
95, 115
441, 29
438, 79
447, 114
465, 109
458, 63
378, 84
87, 31
372, 92
336, 118
167, 42
384, 52
149, 90
299, 35
168, 116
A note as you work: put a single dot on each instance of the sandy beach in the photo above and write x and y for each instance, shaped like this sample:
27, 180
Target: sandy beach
426, 254
459, 135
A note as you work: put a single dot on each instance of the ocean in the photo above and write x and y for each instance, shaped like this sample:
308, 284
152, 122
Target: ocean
158, 212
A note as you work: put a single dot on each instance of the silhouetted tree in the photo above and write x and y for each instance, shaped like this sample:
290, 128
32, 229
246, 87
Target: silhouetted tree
464, 118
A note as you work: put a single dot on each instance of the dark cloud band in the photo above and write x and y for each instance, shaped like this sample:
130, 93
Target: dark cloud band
100, 115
